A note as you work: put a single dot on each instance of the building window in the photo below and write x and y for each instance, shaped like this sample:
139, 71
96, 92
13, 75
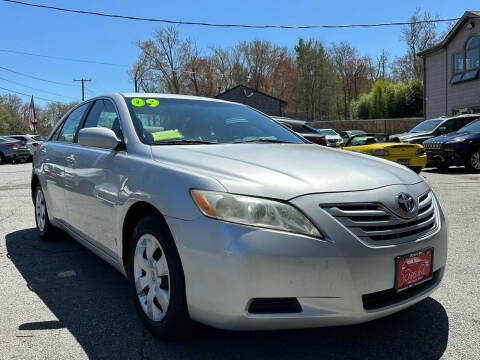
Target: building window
467, 63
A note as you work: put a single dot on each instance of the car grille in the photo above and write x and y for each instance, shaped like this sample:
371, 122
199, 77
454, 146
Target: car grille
433, 146
332, 141
374, 223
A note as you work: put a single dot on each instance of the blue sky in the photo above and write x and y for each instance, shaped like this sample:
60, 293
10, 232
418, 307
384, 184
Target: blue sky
110, 40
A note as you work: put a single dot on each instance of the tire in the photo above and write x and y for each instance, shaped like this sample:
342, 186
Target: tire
473, 160
165, 314
46, 230
2, 158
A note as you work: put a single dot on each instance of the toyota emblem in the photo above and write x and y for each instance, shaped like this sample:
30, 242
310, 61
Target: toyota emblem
406, 202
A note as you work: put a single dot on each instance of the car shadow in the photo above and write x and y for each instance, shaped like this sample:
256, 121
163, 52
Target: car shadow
457, 170
91, 300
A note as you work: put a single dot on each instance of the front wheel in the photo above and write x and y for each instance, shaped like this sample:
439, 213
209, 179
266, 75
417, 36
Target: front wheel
157, 280
45, 228
473, 160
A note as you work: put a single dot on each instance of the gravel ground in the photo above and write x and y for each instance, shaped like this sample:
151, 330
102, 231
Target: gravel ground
59, 301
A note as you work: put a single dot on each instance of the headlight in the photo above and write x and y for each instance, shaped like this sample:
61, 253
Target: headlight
253, 211
380, 152
456, 140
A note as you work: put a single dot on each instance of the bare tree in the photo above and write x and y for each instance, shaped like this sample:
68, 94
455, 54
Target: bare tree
352, 72
418, 36
163, 59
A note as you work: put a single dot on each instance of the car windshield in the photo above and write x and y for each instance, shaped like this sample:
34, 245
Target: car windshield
309, 129
326, 132
472, 127
183, 121
367, 139
426, 126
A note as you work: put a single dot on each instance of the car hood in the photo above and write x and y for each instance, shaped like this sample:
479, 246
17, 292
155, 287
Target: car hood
406, 136
283, 171
448, 137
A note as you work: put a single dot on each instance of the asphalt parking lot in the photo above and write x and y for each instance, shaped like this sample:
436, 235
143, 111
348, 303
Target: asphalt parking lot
59, 301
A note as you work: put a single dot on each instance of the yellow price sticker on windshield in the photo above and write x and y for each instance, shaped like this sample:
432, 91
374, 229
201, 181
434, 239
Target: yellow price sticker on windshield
137, 102
166, 135
152, 102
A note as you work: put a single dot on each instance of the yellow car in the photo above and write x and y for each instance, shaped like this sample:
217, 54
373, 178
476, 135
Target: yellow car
411, 155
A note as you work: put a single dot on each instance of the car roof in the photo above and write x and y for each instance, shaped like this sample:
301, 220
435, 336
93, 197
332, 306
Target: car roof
171, 96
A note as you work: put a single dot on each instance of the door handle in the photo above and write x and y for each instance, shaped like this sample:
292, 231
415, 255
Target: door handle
70, 159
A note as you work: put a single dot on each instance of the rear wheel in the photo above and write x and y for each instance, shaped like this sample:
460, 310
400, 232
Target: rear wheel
157, 281
45, 228
473, 160
2, 158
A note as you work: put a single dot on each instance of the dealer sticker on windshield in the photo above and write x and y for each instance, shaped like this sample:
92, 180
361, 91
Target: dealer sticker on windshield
139, 102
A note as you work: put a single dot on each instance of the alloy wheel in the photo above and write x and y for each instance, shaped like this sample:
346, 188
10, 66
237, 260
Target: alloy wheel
152, 277
40, 208
475, 160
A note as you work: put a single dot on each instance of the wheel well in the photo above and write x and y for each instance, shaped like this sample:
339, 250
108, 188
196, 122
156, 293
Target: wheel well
136, 212
33, 185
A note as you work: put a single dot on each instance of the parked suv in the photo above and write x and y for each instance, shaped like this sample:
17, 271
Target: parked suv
458, 148
434, 127
218, 214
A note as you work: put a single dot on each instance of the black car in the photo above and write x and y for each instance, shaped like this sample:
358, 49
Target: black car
435, 127
303, 129
458, 148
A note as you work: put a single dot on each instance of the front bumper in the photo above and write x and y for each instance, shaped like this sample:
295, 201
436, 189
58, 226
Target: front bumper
228, 265
450, 155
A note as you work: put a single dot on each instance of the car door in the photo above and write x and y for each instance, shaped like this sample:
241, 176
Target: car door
53, 158
93, 199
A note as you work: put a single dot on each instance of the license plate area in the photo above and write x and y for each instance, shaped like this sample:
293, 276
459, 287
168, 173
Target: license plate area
403, 161
413, 269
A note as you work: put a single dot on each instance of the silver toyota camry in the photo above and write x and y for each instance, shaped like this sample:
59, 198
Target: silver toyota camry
218, 214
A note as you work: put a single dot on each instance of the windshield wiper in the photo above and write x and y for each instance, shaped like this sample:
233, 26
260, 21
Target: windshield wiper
183, 142
264, 140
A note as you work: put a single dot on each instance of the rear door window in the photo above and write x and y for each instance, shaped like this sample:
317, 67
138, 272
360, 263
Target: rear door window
70, 126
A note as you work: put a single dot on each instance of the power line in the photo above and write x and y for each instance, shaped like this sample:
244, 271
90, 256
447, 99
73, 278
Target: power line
178, 22
36, 89
62, 58
21, 93
34, 77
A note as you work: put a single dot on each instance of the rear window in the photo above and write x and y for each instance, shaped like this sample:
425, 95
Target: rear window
327, 132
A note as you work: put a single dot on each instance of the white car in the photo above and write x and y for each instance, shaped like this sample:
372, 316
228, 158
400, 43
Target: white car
333, 138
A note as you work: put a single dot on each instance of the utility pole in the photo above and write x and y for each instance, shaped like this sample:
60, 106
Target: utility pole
83, 86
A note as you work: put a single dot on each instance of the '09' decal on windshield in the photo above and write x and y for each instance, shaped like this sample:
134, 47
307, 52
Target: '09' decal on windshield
139, 102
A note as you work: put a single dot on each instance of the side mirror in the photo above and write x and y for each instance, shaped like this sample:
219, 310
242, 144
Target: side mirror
98, 137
